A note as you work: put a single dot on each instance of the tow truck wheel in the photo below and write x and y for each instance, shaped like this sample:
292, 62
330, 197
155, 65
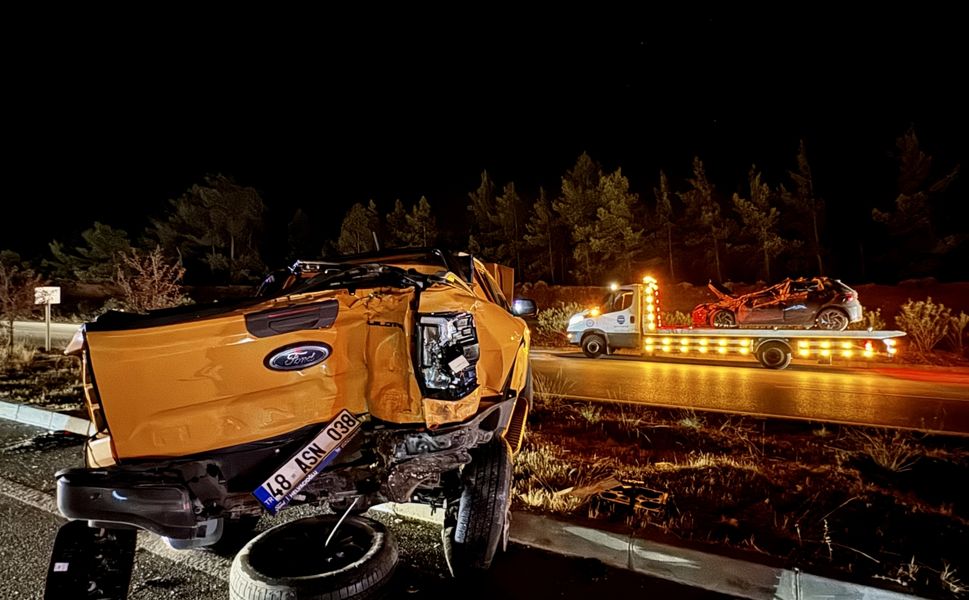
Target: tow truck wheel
594, 345
289, 561
723, 318
477, 525
774, 355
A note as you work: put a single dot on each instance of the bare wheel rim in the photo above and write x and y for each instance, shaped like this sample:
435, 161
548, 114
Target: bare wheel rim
593, 346
832, 319
723, 318
303, 548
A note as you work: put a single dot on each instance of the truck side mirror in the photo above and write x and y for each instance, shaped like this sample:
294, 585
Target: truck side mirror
524, 307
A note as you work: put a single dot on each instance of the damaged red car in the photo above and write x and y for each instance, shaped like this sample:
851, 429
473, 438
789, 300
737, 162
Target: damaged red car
816, 302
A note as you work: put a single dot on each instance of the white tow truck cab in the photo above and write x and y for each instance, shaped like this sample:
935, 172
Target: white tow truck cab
629, 317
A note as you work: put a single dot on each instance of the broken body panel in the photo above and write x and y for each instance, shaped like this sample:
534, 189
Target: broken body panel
196, 406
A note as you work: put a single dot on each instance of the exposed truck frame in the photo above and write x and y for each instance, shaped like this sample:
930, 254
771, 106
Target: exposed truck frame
635, 322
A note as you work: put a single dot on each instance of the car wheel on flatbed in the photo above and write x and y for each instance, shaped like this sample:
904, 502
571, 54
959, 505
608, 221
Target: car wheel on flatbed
289, 561
833, 319
477, 524
723, 319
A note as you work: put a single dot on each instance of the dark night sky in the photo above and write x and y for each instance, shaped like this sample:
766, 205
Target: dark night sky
321, 111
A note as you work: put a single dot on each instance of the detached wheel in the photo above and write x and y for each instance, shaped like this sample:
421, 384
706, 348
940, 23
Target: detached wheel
723, 319
774, 355
594, 345
833, 319
477, 525
288, 561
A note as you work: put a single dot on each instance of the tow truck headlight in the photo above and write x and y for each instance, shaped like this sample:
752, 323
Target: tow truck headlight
447, 354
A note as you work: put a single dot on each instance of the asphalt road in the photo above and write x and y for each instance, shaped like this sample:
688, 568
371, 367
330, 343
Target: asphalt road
933, 400
29, 457
60, 333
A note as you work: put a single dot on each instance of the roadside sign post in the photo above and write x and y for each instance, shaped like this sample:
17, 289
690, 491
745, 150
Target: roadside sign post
47, 295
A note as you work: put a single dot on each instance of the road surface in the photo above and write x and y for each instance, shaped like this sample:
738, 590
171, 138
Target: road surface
29, 457
34, 331
929, 400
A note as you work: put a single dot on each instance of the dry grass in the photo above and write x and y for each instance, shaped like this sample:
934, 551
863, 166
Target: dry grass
690, 420
551, 392
19, 356
894, 451
842, 497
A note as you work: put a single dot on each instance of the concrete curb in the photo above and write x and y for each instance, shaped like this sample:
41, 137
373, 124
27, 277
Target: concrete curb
47, 419
689, 567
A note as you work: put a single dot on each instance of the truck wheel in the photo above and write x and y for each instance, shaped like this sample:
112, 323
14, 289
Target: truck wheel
774, 355
594, 345
476, 526
288, 561
723, 319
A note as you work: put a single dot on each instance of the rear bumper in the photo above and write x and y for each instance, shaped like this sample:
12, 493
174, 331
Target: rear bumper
156, 499
124, 497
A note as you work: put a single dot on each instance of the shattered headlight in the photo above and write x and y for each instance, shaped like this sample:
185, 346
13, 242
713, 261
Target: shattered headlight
447, 354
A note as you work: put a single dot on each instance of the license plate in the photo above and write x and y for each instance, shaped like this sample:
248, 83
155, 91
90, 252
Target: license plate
290, 479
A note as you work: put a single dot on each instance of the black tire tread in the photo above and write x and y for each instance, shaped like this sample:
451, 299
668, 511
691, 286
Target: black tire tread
602, 345
371, 584
487, 490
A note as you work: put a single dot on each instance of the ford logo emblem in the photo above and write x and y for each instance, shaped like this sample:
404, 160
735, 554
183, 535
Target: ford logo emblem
298, 356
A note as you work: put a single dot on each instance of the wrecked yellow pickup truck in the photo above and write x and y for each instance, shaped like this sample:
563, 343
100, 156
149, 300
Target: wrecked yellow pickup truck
394, 376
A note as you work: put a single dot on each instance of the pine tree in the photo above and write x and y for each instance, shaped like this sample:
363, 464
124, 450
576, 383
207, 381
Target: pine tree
613, 239
358, 228
803, 201
485, 236
300, 236
545, 237
95, 261
217, 223
703, 218
663, 222
914, 221
396, 226
760, 219
511, 222
421, 225
577, 207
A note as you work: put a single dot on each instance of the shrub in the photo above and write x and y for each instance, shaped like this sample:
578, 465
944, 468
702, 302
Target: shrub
20, 354
925, 322
676, 319
148, 281
552, 322
871, 319
957, 331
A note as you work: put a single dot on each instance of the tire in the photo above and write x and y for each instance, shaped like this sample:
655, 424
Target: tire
476, 526
774, 355
723, 319
288, 561
594, 345
832, 319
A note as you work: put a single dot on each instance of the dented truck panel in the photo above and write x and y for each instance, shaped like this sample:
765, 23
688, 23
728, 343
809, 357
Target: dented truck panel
188, 387
195, 406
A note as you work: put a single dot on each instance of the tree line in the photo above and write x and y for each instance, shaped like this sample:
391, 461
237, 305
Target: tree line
591, 229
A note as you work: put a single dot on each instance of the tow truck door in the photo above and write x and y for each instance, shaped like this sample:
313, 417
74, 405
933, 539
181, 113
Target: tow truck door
620, 319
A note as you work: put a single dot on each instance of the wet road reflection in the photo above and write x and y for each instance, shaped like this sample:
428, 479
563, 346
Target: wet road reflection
813, 392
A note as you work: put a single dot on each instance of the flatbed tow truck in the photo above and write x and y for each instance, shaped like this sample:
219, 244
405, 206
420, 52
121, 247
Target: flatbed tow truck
632, 319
